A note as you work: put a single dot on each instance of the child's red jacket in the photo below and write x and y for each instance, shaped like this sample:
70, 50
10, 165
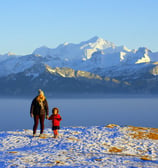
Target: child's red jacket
55, 119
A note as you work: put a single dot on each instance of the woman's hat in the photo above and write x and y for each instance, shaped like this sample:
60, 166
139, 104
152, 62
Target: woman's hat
40, 92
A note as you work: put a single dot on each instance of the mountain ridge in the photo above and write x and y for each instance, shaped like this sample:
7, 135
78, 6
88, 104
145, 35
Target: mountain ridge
95, 64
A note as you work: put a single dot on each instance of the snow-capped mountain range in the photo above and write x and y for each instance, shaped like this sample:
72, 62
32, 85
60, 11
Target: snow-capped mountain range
95, 58
87, 55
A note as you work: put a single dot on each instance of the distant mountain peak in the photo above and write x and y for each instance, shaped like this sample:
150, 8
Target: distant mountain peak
66, 43
97, 39
93, 39
10, 53
41, 51
143, 49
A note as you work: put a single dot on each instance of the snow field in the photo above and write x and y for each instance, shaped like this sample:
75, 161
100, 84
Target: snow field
96, 146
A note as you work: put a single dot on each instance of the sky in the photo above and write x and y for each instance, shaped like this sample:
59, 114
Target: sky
29, 24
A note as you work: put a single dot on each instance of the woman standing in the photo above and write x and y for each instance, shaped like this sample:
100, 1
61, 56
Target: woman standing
39, 110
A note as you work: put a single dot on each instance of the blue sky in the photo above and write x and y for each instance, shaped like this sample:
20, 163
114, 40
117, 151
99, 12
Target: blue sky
29, 24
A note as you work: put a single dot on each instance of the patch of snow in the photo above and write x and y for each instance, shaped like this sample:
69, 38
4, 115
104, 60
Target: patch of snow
97, 146
34, 75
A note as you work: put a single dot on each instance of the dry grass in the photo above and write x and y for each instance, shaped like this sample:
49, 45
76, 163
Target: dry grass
12, 152
146, 158
115, 150
111, 125
143, 132
152, 136
59, 162
73, 139
154, 130
99, 160
132, 128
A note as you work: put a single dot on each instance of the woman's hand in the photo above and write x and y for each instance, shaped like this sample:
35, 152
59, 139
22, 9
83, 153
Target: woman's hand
31, 115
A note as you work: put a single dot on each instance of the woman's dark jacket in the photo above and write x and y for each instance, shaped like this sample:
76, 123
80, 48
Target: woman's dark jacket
36, 108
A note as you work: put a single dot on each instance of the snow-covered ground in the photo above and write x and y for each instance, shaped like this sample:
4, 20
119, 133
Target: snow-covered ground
96, 146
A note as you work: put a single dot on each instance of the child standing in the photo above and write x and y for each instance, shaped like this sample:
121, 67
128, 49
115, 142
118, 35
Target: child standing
56, 118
